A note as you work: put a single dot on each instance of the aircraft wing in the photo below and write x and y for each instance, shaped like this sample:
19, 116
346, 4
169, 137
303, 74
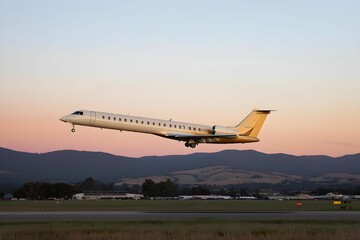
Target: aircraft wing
183, 137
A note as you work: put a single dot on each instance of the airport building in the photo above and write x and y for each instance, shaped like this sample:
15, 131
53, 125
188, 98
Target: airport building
204, 197
100, 195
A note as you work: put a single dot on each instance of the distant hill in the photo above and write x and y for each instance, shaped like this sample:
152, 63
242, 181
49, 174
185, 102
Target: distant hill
225, 176
218, 175
74, 166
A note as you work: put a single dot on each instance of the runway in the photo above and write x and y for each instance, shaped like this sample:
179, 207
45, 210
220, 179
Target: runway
136, 215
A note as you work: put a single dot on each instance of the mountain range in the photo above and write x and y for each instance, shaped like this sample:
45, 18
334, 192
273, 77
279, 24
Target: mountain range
225, 167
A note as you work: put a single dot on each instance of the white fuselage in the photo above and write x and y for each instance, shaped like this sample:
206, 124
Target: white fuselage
135, 124
191, 133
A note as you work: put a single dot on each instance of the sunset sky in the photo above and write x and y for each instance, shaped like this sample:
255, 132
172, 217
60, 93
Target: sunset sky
208, 62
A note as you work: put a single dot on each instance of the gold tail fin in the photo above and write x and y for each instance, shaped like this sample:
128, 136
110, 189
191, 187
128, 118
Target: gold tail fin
252, 124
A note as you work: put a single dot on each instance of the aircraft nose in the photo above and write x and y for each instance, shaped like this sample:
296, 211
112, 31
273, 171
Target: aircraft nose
64, 119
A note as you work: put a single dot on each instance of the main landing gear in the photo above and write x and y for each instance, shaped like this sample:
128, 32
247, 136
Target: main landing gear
192, 145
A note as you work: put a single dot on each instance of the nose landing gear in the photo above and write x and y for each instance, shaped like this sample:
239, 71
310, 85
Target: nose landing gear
73, 129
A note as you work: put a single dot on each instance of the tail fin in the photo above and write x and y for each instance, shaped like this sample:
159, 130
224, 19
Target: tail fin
252, 124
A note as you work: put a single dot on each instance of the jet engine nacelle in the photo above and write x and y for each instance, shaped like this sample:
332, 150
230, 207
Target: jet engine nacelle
221, 130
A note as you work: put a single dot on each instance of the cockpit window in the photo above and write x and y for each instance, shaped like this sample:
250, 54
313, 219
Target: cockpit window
78, 113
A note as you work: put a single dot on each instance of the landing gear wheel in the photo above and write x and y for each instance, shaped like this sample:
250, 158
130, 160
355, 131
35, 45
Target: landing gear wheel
73, 130
187, 145
192, 145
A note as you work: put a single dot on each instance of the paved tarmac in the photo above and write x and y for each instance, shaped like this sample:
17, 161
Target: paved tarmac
134, 215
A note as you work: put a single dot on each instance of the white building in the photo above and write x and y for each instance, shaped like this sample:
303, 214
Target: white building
204, 197
106, 195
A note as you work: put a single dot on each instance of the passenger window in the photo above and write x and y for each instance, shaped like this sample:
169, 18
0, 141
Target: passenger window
137, 121
148, 123
153, 123
103, 117
164, 124
131, 120
199, 129
179, 127
142, 122
174, 126
159, 124
114, 118
170, 125
125, 120
119, 119
189, 128
109, 118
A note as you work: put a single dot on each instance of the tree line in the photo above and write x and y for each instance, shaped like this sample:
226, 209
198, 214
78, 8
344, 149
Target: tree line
166, 188
45, 190
169, 189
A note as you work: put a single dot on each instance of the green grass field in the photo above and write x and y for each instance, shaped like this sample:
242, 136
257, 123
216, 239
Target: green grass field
173, 205
178, 229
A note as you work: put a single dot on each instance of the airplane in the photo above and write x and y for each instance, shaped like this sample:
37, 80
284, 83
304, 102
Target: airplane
192, 134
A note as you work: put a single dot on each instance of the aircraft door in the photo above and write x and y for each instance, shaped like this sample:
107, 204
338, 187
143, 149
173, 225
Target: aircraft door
92, 118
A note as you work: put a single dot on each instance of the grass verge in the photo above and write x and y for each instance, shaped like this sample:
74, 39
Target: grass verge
179, 229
